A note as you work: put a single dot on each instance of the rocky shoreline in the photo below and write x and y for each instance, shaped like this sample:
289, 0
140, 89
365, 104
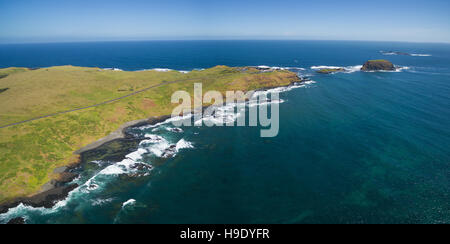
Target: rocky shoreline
45, 199
58, 190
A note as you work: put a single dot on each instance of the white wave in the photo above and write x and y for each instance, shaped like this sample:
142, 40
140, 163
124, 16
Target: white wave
112, 170
325, 67
397, 70
222, 115
123, 166
282, 89
162, 70
388, 53
158, 149
182, 144
351, 69
137, 155
23, 210
254, 103
210, 120
168, 70
420, 55
294, 68
113, 69
129, 202
348, 69
165, 149
176, 130
266, 67
227, 114
99, 202
263, 67
405, 54
169, 120
392, 53
157, 146
401, 68
150, 138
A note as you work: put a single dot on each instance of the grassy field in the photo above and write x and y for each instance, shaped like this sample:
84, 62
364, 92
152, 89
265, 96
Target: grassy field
29, 152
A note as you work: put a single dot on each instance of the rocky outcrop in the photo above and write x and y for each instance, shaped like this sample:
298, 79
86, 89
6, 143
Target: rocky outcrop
395, 53
330, 71
49, 198
169, 152
378, 65
16, 221
46, 199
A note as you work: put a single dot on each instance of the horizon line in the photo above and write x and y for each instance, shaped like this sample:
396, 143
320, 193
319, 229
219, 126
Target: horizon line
204, 39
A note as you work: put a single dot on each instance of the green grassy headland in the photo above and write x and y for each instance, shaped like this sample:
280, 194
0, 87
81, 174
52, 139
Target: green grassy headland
29, 152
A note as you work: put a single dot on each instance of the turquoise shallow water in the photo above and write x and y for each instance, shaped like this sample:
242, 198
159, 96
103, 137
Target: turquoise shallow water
353, 147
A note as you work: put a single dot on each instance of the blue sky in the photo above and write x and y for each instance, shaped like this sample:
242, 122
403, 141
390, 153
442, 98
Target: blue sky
105, 20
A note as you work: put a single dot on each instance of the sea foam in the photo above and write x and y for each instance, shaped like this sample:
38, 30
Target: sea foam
183, 144
348, 69
129, 202
420, 55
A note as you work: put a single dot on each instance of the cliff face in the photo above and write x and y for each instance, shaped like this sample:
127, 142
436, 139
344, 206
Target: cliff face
377, 65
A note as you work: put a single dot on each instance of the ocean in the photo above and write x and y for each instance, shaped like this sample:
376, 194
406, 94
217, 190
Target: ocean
353, 147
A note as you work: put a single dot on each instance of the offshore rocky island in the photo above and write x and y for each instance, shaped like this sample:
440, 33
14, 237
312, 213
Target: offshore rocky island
378, 65
369, 66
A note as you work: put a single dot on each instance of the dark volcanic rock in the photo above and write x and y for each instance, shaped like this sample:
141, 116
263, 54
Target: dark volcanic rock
176, 130
169, 152
16, 221
141, 166
66, 177
378, 65
6, 206
46, 199
49, 198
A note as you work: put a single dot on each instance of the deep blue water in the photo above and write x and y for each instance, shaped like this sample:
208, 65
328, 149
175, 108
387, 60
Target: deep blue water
353, 147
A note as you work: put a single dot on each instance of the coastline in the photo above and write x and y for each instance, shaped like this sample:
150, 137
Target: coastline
57, 190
